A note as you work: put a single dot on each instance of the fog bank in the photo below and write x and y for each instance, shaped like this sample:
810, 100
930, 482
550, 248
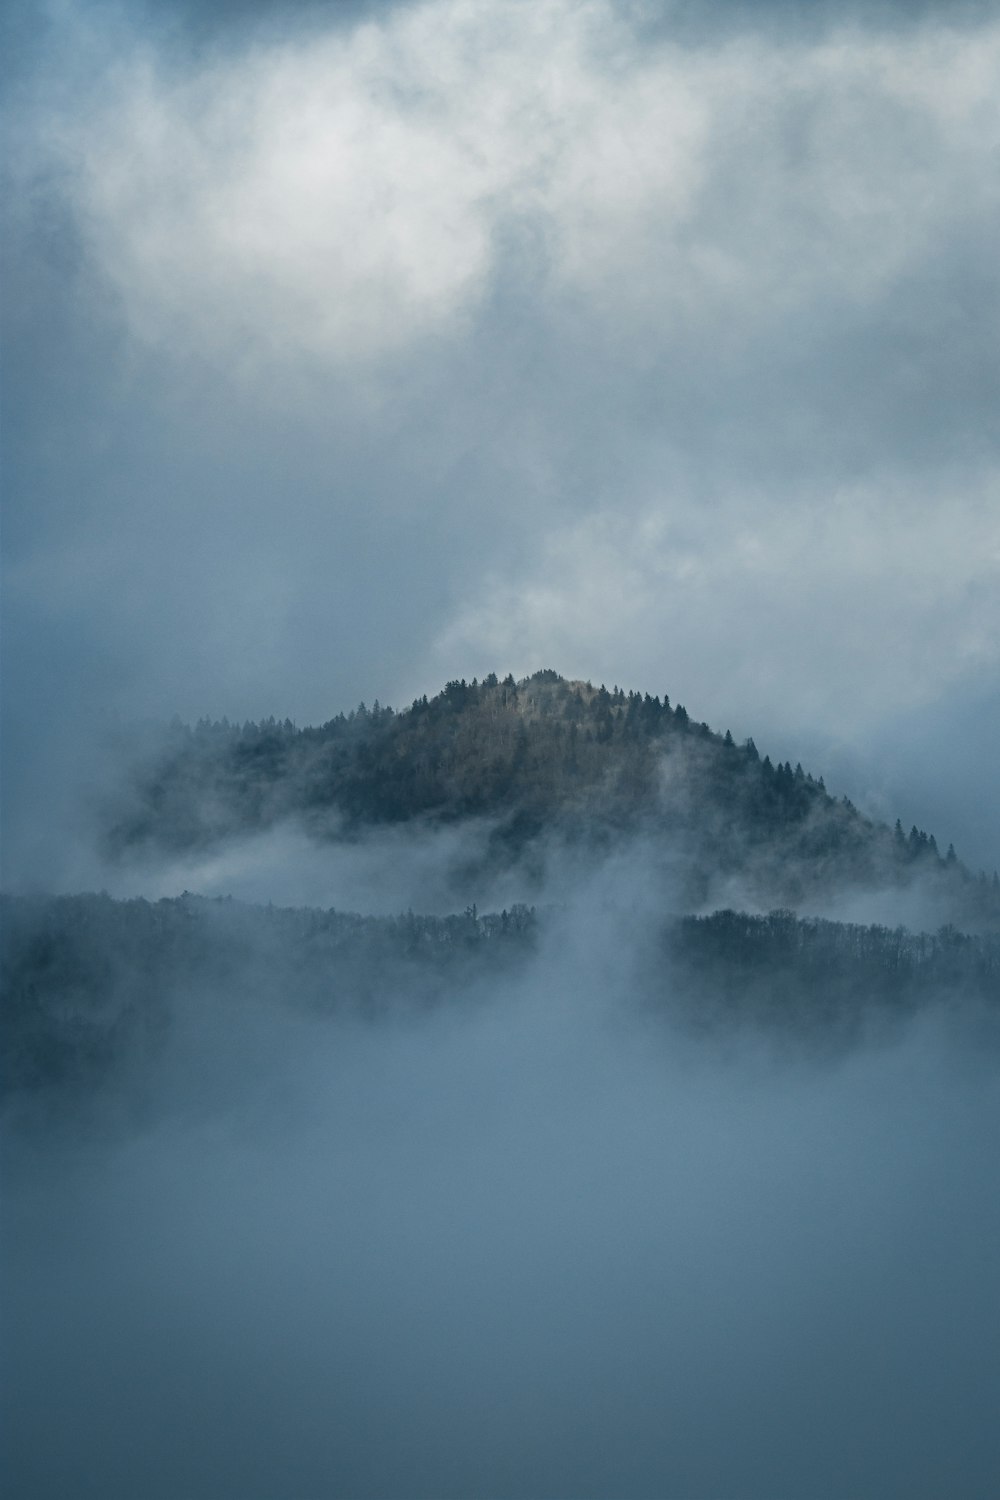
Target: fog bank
535, 1242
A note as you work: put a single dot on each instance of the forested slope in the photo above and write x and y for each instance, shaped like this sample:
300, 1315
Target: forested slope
540, 759
91, 986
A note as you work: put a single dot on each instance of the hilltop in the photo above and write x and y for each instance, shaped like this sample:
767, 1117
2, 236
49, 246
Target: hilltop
540, 760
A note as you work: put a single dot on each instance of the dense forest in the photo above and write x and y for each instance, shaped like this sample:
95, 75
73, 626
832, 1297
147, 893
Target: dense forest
91, 984
88, 981
540, 759
812, 975
671, 812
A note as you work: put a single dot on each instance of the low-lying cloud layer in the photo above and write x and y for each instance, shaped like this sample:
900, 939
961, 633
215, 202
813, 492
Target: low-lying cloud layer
535, 1242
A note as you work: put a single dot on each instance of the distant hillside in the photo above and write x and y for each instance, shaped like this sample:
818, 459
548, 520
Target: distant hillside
91, 986
541, 758
88, 983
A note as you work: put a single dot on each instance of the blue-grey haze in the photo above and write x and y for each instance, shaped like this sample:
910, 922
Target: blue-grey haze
353, 348
538, 1242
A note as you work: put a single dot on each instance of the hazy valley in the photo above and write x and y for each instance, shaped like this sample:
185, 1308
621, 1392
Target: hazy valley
524, 1086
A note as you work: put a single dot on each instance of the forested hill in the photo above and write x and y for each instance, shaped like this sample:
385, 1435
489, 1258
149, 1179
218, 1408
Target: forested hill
541, 757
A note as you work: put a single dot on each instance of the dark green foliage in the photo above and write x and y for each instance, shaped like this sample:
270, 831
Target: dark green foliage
493, 748
91, 986
88, 984
544, 754
813, 972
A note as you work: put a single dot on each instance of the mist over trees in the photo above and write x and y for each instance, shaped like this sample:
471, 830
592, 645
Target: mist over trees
553, 779
90, 984
631, 1151
542, 759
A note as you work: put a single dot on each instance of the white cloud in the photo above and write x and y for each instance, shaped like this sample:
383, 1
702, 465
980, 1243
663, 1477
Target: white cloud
692, 344
339, 197
861, 603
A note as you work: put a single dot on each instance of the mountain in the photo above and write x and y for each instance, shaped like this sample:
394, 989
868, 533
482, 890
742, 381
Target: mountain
544, 763
674, 869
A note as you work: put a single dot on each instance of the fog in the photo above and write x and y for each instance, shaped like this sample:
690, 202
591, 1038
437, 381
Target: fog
438, 868
351, 348
544, 1237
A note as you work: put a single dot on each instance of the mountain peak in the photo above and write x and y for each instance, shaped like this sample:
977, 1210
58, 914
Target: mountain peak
542, 759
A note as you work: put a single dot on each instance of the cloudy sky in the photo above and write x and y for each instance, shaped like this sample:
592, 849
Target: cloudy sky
353, 347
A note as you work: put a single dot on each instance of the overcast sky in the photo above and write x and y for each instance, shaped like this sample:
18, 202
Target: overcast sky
353, 347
